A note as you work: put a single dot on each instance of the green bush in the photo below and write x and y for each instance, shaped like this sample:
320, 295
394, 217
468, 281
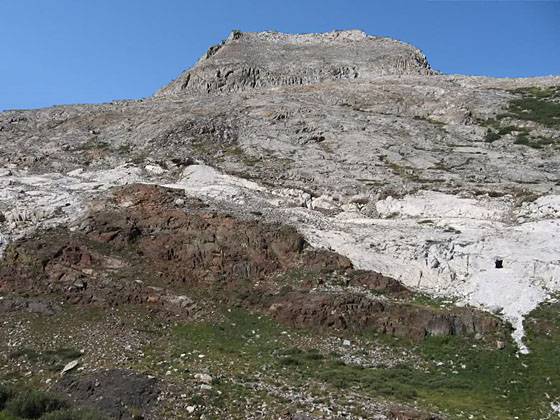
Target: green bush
535, 143
537, 104
33, 404
491, 136
290, 361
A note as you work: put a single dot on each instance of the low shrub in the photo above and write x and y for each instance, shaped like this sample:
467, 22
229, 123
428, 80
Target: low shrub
33, 404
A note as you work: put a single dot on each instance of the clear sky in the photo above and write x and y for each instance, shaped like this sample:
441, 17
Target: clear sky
87, 51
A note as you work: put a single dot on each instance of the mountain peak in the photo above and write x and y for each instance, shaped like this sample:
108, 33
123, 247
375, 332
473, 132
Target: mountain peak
249, 60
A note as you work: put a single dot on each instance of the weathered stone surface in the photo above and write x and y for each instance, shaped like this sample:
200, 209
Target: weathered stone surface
355, 312
267, 59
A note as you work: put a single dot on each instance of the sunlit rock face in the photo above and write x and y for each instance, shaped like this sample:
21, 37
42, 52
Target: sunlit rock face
267, 59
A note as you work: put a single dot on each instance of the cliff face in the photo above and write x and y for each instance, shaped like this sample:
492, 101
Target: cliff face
268, 59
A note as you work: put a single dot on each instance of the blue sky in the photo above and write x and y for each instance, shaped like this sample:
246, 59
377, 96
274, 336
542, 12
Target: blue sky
73, 51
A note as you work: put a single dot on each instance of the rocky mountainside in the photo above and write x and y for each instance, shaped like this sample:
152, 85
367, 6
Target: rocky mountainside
299, 226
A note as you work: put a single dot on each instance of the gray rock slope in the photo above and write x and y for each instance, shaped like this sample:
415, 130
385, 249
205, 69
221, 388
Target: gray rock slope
354, 139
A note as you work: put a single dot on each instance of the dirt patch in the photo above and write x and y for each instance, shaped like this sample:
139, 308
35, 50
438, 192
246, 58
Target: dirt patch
120, 394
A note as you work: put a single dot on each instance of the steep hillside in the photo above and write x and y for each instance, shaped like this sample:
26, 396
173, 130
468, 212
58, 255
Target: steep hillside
309, 225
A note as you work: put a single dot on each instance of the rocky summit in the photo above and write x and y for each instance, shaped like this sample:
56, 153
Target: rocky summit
253, 60
297, 227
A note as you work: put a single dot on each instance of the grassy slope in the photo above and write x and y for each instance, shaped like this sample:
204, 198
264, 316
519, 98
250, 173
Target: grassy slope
452, 375
461, 378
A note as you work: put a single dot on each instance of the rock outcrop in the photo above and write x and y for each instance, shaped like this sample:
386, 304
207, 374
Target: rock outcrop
267, 59
117, 393
146, 245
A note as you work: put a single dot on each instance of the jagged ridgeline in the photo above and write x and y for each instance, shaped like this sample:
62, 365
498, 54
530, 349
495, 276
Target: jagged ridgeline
247, 60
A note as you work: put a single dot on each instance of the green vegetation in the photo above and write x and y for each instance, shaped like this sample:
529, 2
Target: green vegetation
18, 404
425, 222
538, 105
459, 376
438, 124
412, 174
33, 404
54, 360
541, 105
220, 152
431, 301
534, 142
522, 135
451, 229
491, 136
496, 131
240, 155
298, 277
94, 144
404, 171
456, 376
371, 182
